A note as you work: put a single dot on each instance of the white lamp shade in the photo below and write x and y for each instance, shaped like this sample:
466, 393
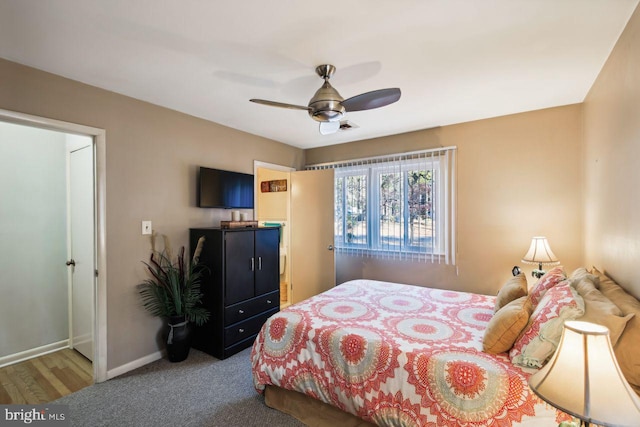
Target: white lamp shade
540, 252
583, 378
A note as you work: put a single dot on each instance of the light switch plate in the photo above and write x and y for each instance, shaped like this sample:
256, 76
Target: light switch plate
146, 227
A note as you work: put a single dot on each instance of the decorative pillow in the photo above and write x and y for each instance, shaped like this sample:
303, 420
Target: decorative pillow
582, 273
597, 299
546, 282
627, 350
615, 324
515, 288
542, 334
599, 309
583, 286
505, 326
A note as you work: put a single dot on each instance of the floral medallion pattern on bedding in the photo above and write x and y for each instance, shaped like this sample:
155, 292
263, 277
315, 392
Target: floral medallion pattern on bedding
363, 359
418, 330
473, 317
402, 303
287, 335
318, 388
465, 386
395, 355
344, 310
392, 410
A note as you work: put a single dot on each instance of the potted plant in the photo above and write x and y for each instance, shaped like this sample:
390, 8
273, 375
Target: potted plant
173, 292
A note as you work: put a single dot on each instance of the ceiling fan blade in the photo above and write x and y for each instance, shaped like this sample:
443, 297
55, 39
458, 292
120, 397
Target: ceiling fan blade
371, 100
280, 104
327, 128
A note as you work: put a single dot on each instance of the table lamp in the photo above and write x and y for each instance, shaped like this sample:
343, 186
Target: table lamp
583, 379
540, 253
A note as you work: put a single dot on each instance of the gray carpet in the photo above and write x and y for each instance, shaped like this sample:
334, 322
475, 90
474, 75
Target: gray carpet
201, 391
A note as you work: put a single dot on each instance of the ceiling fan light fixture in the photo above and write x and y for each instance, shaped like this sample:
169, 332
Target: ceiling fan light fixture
328, 106
326, 111
327, 116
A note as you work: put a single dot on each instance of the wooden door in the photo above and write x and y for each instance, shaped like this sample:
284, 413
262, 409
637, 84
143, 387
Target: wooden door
312, 256
239, 266
267, 259
81, 250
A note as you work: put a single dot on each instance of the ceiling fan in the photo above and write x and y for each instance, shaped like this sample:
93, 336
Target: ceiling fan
328, 107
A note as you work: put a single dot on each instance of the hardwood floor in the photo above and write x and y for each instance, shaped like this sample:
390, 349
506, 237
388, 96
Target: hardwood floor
45, 378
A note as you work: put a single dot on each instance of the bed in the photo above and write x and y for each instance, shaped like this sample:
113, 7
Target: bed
393, 354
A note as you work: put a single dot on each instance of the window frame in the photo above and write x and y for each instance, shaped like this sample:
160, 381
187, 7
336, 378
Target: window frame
373, 173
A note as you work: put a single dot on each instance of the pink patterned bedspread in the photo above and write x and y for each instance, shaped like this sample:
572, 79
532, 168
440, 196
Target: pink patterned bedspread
394, 355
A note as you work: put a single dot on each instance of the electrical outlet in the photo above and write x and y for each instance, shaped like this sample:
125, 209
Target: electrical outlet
146, 227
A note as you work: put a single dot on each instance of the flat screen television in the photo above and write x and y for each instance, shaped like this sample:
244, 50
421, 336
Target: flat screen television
224, 189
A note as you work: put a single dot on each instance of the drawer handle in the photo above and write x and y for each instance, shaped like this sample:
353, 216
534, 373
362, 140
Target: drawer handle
240, 311
268, 301
241, 330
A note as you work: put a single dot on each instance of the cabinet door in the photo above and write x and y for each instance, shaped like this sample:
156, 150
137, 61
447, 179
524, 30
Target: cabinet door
240, 264
267, 260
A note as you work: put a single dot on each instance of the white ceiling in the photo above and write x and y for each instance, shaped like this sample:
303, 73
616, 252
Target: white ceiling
455, 60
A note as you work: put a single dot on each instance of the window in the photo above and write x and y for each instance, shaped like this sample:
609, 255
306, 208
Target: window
396, 207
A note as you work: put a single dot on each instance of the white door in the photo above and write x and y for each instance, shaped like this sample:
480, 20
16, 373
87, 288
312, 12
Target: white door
81, 250
312, 256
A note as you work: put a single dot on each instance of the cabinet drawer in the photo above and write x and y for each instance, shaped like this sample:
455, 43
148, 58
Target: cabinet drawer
249, 308
246, 328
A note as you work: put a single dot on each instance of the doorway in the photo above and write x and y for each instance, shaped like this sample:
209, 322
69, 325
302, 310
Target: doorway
301, 202
273, 208
55, 330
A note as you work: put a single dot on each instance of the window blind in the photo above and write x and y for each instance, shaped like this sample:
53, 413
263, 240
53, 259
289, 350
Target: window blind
399, 206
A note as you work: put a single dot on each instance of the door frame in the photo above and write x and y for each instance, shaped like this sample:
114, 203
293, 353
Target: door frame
100, 224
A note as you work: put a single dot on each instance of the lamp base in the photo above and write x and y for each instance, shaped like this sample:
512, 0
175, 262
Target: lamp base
537, 273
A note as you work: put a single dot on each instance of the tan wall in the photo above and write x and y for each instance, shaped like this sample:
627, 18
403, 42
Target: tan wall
518, 176
612, 163
273, 205
152, 154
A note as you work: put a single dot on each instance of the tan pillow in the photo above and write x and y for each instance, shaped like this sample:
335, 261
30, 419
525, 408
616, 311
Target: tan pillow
505, 326
583, 286
515, 288
599, 309
587, 287
582, 273
627, 349
583, 282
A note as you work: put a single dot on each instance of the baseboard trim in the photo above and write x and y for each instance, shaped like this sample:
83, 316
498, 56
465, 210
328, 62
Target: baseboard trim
31, 353
123, 369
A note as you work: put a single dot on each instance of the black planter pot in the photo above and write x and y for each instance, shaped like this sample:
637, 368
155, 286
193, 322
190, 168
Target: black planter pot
178, 339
